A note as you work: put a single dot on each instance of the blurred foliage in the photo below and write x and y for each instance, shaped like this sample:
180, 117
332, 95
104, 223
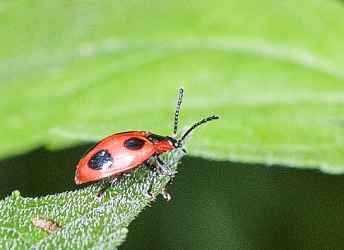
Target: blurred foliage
80, 70
75, 71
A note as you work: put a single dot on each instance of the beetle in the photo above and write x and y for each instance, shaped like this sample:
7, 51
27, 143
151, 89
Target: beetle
120, 153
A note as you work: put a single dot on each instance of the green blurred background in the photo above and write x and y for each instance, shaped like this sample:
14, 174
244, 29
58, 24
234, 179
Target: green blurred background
72, 72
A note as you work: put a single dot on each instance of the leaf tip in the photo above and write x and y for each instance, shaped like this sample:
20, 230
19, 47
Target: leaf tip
16, 194
124, 230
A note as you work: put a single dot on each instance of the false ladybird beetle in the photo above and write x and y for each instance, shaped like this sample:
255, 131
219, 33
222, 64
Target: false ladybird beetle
119, 153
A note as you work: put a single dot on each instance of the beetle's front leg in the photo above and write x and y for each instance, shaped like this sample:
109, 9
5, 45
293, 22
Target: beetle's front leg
165, 168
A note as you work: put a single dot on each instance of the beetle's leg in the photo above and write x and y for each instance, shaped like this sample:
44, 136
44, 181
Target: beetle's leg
162, 165
152, 168
108, 184
164, 193
169, 173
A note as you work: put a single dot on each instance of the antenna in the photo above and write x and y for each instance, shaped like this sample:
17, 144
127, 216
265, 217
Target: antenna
210, 118
176, 115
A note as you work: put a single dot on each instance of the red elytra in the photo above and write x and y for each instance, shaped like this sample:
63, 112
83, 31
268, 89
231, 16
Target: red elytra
119, 153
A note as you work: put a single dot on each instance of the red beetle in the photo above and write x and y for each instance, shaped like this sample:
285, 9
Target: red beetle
122, 152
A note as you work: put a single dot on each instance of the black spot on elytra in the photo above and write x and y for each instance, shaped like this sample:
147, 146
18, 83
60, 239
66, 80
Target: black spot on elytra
134, 143
101, 160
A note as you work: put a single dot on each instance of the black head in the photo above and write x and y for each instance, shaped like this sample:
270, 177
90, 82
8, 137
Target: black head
178, 143
174, 142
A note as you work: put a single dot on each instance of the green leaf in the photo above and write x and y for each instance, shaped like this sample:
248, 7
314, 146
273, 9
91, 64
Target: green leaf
86, 222
272, 71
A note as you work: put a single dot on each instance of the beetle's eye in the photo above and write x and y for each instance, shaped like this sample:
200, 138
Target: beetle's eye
173, 142
177, 144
